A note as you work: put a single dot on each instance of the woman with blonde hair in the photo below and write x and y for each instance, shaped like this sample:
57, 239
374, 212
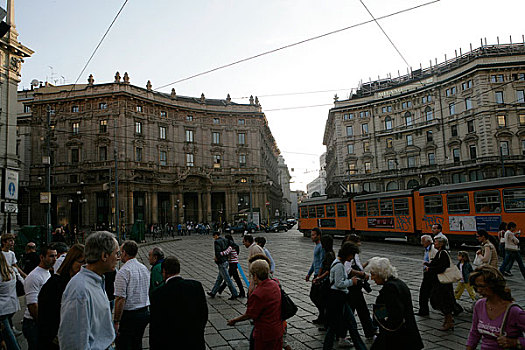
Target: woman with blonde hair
8, 303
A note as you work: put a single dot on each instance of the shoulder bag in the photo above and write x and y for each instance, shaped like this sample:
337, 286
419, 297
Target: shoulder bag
288, 307
504, 322
451, 274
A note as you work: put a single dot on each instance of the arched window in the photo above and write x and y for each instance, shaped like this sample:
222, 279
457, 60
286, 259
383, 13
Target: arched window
388, 123
429, 114
433, 182
413, 184
392, 186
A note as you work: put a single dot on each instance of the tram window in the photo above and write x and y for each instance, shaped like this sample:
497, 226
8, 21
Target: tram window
458, 203
311, 212
304, 212
341, 210
320, 211
386, 207
433, 205
401, 206
373, 209
330, 211
487, 201
514, 199
360, 208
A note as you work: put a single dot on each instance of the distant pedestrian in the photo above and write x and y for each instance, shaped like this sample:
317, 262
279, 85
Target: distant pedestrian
85, 315
437, 231
220, 245
156, 257
315, 289
232, 252
179, 311
9, 303
466, 268
8, 243
31, 258
426, 284
501, 238
62, 249
512, 250
261, 242
131, 299
488, 252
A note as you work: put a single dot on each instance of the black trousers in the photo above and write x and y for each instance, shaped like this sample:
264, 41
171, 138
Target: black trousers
234, 274
316, 296
424, 293
357, 302
131, 329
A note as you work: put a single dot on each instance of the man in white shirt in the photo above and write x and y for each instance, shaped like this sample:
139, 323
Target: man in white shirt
61, 249
32, 285
426, 283
436, 231
512, 250
131, 299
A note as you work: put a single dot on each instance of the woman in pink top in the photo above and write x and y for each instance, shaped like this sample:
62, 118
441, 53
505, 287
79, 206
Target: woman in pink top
489, 313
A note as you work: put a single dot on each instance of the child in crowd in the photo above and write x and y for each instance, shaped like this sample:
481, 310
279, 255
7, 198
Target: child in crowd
466, 268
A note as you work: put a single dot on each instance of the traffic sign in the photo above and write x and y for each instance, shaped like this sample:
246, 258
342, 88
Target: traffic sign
9, 207
11, 184
267, 203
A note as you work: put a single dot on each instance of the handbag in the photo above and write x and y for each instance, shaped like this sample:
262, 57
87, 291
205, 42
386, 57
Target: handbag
381, 314
288, 307
504, 322
478, 260
451, 274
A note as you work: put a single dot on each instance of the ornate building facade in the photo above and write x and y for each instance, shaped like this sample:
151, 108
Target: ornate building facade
175, 158
461, 120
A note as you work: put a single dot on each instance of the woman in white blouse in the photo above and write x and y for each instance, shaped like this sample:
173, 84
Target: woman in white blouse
8, 303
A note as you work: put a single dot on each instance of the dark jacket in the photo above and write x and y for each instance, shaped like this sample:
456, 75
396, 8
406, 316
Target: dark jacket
467, 269
442, 295
220, 245
178, 315
395, 299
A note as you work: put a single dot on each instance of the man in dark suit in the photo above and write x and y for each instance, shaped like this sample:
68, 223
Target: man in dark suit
178, 311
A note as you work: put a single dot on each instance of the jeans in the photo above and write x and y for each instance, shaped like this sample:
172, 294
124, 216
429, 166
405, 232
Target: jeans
30, 330
232, 271
131, 329
510, 257
7, 333
223, 276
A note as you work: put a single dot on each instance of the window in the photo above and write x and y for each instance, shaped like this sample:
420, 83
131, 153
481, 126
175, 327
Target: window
389, 142
27, 109
457, 203
520, 97
514, 199
408, 119
360, 209
468, 103
410, 140
454, 130
242, 160
216, 138
391, 164
504, 148
241, 122
189, 159
102, 105
75, 109
456, 155
366, 146
373, 209
103, 126
304, 212
364, 114
498, 78
350, 148
401, 206
189, 118
163, 158
411, 161
364, 129
426, 99
216, 121
349, 131
406, 104
431, 159
162, 132
473, 152
521, 118
73, 179
311, 212
138, 128
138, 109
385, 205
189, 135
138, 154
519, 76
103, 153
330, 211
341, 210
430, 136
523, 147
452, 109
487, 201
216, 160
163, 114
451, 91
499, 97
386, 109
241, 139
433, 204
319, 210
502, 121
352, 169
466, 85
429, 114
75, 127
470, 126
368, 170
74, 155
388, 123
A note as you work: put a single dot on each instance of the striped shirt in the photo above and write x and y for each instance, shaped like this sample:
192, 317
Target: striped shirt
132, 283
233, 257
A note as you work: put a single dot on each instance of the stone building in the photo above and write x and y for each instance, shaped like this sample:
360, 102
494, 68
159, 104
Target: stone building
177, 158
317, 187
284, 181
12, 54
457, 121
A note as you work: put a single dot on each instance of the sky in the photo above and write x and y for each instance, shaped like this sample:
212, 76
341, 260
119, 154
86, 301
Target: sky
165, 41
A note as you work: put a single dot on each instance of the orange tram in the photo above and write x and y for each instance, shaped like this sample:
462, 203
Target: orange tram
461, 209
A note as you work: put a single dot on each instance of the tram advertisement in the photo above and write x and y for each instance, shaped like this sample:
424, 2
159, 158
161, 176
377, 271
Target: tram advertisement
381, 222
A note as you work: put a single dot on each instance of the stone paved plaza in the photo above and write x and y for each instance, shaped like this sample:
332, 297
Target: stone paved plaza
293, 256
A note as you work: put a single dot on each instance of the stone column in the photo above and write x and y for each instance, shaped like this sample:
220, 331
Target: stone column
154, 207
208, 206
199, 207
130, 212
173, 211
181, 210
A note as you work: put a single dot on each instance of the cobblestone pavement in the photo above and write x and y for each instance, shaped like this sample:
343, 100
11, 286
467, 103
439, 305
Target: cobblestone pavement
293, 256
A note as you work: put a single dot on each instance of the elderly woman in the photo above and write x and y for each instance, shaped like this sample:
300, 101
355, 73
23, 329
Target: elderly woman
442, 295
488, 252
264, 308
393, 310
493, 311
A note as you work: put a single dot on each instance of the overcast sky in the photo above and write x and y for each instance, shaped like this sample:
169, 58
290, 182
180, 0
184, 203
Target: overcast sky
167, 40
